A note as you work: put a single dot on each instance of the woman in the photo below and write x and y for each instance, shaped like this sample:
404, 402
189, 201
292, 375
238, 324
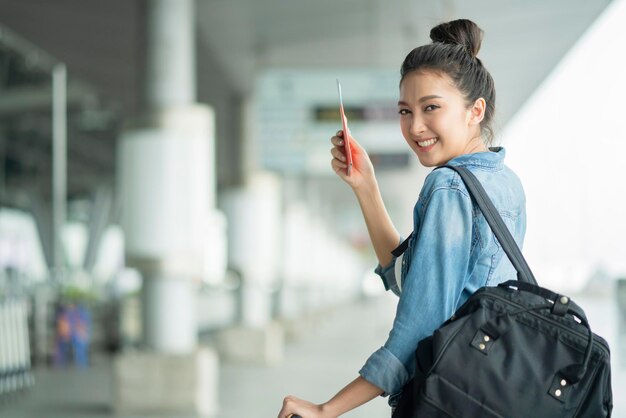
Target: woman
446, 106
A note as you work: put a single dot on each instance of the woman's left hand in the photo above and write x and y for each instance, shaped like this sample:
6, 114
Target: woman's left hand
305, 409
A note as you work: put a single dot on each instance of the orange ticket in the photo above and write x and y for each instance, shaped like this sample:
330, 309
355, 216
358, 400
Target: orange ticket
346, 132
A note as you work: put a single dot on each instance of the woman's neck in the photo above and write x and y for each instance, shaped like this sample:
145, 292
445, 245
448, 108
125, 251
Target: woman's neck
476, 144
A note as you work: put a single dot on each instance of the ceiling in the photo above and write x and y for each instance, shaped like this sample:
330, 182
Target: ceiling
103, 45
523, 39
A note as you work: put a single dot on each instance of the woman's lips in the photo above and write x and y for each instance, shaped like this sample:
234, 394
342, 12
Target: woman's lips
427, 145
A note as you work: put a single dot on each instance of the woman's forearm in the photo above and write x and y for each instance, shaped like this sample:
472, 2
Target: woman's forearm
382, 233
358, 392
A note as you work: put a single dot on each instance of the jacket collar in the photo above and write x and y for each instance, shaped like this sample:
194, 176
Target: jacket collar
494, 159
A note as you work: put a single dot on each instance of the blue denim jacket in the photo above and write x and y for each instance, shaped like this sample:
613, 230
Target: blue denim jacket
451, 254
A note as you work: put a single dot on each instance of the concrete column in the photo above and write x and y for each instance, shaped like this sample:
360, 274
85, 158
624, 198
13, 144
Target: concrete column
171, 60
59, 165
166, 186
167, 189
167, 173
254, 213
254, 236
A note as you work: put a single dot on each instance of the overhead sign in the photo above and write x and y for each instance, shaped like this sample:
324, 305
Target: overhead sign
296, 113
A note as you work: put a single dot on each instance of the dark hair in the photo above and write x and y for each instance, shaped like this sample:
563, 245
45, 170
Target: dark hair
453, 52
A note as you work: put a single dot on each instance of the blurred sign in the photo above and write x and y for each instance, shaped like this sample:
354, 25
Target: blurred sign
357, 113
296, 113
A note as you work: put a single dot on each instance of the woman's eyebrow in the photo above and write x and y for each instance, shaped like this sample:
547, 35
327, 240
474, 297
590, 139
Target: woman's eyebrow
432, 96
422, 99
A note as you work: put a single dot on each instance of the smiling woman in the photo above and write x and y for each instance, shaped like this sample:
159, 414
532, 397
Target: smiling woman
438, 126
454, 53
446, 104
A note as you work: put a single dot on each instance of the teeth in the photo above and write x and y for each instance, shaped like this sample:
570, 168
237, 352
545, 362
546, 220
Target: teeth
428, 143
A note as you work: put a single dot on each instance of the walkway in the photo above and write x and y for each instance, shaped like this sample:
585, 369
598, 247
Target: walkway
327, 355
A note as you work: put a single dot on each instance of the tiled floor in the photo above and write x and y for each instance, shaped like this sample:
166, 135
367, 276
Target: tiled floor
325, 357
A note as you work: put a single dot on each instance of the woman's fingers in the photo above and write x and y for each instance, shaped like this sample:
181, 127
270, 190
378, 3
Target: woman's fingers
288, 405
337, 141
296, 408
336, 153
336, 164
339, 161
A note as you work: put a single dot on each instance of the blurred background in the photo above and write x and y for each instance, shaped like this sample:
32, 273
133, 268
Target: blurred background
173, 242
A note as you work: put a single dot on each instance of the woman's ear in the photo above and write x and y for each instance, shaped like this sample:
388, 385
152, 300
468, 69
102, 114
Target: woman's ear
477, 112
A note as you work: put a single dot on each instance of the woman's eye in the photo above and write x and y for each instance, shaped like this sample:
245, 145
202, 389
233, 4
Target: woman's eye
403, 112
430, 108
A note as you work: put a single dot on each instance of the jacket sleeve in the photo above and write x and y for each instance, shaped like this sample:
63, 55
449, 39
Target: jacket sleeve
388, 274
431, 289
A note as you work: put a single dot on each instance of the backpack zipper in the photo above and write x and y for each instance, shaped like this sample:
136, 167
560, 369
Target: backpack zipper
603, 344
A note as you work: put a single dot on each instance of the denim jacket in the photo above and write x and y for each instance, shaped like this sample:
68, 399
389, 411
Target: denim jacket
451, 254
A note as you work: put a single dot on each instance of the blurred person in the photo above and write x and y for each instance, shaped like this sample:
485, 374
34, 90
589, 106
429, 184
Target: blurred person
446, 106
80, 321
63, 336
73, 323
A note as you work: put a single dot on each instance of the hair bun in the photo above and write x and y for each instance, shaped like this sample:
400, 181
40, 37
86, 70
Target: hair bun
462, 32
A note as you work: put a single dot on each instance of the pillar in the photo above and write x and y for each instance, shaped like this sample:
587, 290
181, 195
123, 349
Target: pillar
166, 179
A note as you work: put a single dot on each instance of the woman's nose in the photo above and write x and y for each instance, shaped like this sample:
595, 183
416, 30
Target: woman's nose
417, 126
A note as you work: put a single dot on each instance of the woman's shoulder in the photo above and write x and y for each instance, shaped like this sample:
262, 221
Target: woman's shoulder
441, 185
503, 186
442, 179
494, 181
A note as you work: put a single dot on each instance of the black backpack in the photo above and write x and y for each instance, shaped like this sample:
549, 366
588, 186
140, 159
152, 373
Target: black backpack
515, 350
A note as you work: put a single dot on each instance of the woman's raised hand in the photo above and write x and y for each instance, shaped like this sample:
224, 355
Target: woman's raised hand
362, 170
294, 407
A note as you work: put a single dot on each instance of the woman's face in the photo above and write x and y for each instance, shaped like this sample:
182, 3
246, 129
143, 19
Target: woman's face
435, 120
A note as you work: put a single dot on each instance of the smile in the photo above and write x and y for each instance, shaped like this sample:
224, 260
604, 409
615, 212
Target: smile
428, 142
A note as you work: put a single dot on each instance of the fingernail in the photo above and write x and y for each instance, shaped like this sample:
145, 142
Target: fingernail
341, 142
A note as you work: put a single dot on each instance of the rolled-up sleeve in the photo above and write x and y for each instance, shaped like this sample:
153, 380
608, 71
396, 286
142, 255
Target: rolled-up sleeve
431, 289
388, 274
384, 370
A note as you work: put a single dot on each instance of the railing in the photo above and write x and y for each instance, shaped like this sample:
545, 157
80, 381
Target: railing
15, 365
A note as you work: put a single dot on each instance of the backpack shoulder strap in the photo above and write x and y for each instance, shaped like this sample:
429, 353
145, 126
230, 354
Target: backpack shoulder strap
496, 223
